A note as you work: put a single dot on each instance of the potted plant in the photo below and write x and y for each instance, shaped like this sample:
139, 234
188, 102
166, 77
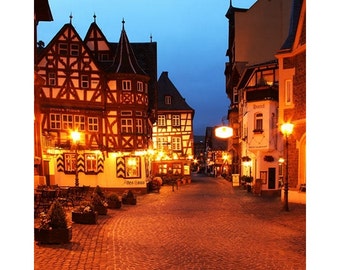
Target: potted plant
85, 214
113, 201
53, 228
99, 204
129, 198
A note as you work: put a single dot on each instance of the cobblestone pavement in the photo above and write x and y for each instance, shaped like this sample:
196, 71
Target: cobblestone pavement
207, 224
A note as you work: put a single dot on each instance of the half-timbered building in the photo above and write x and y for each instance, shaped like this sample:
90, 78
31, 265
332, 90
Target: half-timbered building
102, 91
173, 140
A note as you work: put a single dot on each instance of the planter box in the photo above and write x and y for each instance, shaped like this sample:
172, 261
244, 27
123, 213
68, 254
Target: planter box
54, 236
85, 218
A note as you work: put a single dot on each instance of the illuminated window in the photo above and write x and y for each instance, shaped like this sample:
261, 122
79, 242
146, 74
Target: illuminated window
92, 124
162, 169
90, 162
79, 122
176, 120
55, 121
132, 167
67, 121
176, 143
126, 85
70, 162
126, 125
161, 121
162, 143
177, 168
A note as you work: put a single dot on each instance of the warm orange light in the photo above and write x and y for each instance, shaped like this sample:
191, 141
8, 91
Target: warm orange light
287, 129
223, 132
75, 136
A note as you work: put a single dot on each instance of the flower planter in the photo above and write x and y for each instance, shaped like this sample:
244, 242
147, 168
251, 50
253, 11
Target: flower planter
53, 236
85, 218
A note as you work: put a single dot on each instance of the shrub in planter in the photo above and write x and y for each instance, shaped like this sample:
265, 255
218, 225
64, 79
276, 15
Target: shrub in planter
85, 214
53, 228
113, 201
99, 204
129, 198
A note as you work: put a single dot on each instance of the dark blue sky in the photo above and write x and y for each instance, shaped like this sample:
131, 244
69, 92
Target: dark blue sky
191, 38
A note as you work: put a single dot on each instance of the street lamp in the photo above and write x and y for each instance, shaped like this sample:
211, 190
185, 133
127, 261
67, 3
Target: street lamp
287, 130
76, 138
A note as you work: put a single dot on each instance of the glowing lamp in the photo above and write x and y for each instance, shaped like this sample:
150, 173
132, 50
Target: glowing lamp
223, 132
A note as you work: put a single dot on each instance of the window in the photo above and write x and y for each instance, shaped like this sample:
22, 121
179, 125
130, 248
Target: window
70, 162
132, 167
51, 78
90, 163
92, 124
162, 143
62, 48
126, 85
74, 51
67, 121
55, 121
177, 168
84, 81
126, 125
139, 126
176, 144
167, 100
161, 120
176, 121
162, 169
288, 92
79, 122
258, 122
104, 57
140, 86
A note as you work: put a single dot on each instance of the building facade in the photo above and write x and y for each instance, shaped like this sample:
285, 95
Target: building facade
292, 97
172, 136
252, 85
106, 92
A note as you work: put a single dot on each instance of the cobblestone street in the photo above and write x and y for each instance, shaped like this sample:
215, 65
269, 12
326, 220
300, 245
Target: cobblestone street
207, 224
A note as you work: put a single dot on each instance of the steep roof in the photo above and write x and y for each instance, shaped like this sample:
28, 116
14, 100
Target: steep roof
42, 11
125, 60
167, 88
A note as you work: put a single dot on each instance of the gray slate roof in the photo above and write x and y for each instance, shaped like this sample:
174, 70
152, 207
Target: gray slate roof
167, 88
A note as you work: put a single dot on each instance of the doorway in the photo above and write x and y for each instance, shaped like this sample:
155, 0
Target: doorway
271, 178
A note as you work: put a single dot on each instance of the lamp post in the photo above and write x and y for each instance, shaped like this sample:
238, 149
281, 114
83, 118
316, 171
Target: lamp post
287, 130
76, 138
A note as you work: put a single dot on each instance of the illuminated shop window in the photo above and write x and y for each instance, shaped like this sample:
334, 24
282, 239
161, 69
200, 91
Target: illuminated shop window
70, 162
132, 167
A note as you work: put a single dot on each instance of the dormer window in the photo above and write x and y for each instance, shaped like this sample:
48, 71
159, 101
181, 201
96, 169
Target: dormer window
167, 100
74, 50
